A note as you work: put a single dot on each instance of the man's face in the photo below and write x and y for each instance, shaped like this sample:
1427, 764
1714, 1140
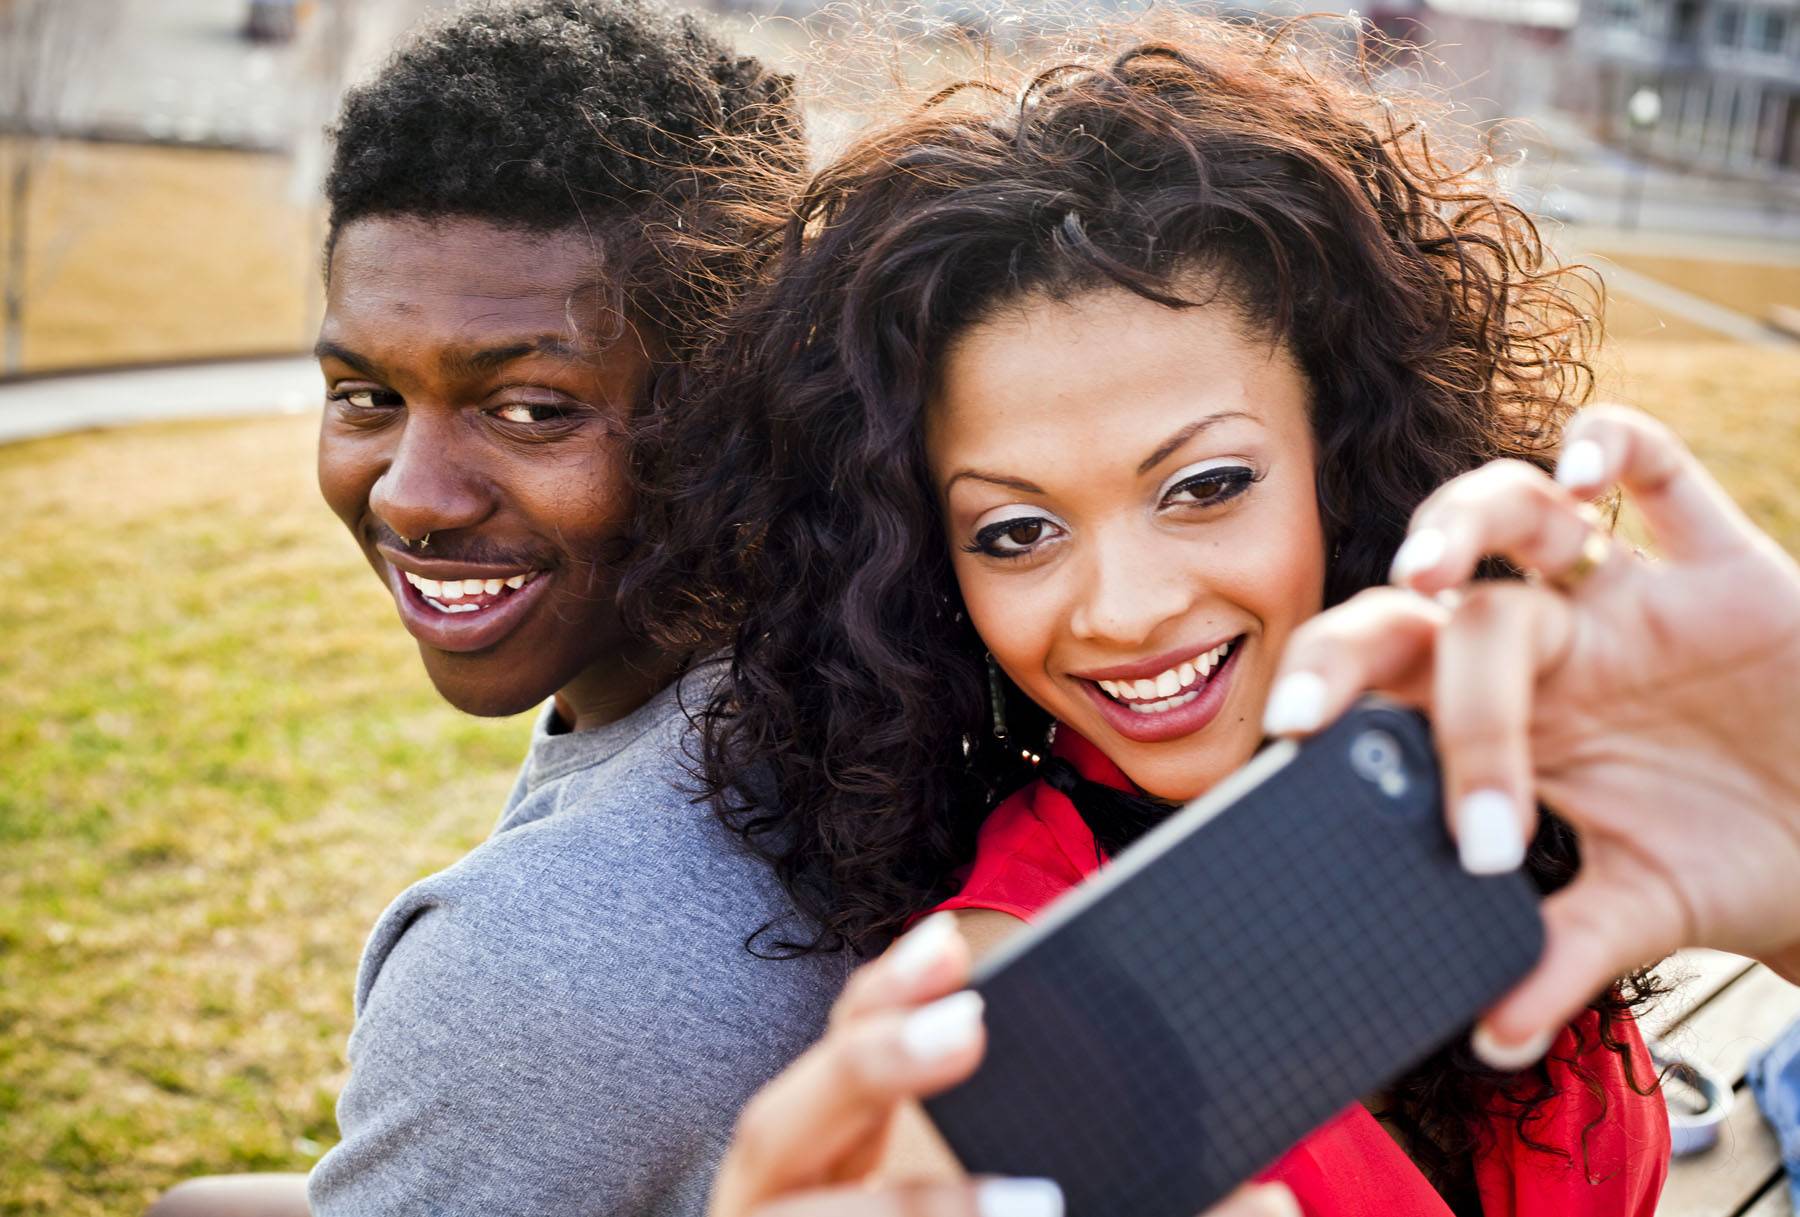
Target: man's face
477, 389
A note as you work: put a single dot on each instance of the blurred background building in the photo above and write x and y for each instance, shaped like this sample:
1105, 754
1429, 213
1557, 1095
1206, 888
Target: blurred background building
139, 137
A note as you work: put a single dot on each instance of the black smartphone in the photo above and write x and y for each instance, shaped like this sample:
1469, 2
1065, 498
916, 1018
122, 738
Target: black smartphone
1280, 948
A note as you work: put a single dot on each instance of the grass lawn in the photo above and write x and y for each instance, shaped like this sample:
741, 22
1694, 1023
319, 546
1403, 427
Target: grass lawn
222, 760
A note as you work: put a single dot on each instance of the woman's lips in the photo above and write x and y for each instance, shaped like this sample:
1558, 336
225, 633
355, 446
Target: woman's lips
1187, 710
467, 622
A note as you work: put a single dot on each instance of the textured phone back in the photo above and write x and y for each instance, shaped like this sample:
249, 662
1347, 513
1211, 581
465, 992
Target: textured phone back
1240, 986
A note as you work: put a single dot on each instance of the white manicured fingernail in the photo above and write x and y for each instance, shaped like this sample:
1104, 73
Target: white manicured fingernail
948, 1025
1018, 1198
1583, 464
1420, 552
1509, 1058
1296, 704
915, 954
1488, 836
1275, 1200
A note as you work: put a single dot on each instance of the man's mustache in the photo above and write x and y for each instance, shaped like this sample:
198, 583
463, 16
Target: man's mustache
458, 547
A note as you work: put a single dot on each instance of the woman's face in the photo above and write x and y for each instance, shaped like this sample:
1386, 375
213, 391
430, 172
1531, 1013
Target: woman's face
1129, 495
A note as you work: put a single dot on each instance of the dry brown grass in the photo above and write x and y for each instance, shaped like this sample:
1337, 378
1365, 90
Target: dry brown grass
1751, 288
157, 253
1738, 406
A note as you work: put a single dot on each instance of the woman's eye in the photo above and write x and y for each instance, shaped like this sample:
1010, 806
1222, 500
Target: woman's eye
367, 399
531, 412
1010, 538
1210, 486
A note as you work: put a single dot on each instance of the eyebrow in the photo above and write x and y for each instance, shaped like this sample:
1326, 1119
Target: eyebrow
997, 479
479, 359
486, 359
1150, 462
1170, 445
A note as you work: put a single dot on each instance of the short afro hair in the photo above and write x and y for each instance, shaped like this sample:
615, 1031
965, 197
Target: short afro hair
553, 114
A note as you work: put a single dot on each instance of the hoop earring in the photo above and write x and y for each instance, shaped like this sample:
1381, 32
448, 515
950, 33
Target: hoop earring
996, 697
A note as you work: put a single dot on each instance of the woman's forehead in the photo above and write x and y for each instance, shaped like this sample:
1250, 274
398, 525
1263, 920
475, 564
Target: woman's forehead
1102, 374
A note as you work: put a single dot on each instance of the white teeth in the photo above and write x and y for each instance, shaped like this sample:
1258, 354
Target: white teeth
456, 589
1159, 707
1165, 686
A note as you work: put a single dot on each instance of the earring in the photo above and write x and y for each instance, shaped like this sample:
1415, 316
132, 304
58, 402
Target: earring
996, 697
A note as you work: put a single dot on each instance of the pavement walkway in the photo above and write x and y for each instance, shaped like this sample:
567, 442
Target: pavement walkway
56, 404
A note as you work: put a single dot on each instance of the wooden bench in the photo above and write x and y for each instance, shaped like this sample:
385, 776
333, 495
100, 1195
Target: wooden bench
1723, 1011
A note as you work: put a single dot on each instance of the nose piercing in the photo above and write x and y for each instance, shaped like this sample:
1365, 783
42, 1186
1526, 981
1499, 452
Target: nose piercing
423, 542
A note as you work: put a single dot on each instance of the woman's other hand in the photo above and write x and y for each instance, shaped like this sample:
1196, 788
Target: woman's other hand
1654, 704
808, 1143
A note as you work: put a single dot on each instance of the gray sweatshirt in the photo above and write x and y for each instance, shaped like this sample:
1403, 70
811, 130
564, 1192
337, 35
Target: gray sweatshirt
567, 1021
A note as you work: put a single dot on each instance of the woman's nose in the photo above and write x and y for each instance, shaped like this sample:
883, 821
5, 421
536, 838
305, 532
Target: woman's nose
430, 484
1128, 591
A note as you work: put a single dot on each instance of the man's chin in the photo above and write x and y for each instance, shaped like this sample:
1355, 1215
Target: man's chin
497, 694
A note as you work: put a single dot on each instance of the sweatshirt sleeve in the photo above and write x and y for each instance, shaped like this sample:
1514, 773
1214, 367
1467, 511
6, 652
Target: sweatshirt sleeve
538, 1037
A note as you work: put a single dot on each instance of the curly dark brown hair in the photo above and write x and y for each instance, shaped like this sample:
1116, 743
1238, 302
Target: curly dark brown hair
620, 117
792, 525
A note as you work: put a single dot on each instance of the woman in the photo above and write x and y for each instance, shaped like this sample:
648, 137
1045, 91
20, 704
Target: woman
1063, 411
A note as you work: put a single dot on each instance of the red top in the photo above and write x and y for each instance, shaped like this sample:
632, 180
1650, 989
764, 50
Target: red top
1035, 846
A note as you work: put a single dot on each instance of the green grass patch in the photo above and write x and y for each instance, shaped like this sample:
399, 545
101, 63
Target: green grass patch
221, 760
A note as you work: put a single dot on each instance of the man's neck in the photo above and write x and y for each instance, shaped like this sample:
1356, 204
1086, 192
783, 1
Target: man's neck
608, 691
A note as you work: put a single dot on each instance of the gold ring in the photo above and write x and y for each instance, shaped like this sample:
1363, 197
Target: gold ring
1595, 550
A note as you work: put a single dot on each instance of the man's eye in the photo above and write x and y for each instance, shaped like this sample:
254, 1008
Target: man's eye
531, 412
1010, 538
367, 399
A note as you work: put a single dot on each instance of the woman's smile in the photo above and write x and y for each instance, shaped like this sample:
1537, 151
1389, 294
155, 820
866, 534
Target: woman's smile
1175, 702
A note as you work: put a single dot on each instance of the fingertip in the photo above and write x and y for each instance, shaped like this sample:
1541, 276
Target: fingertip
1489, 837
947, 1027
1582, 466
1418, 556
1296, 704
924, 948
1005, 1197
1508, 1056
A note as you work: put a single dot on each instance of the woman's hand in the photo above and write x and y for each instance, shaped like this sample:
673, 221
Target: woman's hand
1654, 704
808, 1143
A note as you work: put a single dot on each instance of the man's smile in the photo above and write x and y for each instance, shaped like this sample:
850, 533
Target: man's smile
461, 607
469, 594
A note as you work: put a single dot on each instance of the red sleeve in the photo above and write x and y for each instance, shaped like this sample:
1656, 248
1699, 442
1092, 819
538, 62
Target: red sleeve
1032, 848
1615, 1168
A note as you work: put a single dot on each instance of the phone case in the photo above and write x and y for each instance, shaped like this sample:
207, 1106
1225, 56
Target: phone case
1282, 947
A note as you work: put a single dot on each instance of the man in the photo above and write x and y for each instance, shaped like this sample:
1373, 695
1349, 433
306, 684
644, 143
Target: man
568, 1019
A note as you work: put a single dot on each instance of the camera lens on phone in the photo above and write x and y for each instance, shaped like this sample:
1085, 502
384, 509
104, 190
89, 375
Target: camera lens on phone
1376, 757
